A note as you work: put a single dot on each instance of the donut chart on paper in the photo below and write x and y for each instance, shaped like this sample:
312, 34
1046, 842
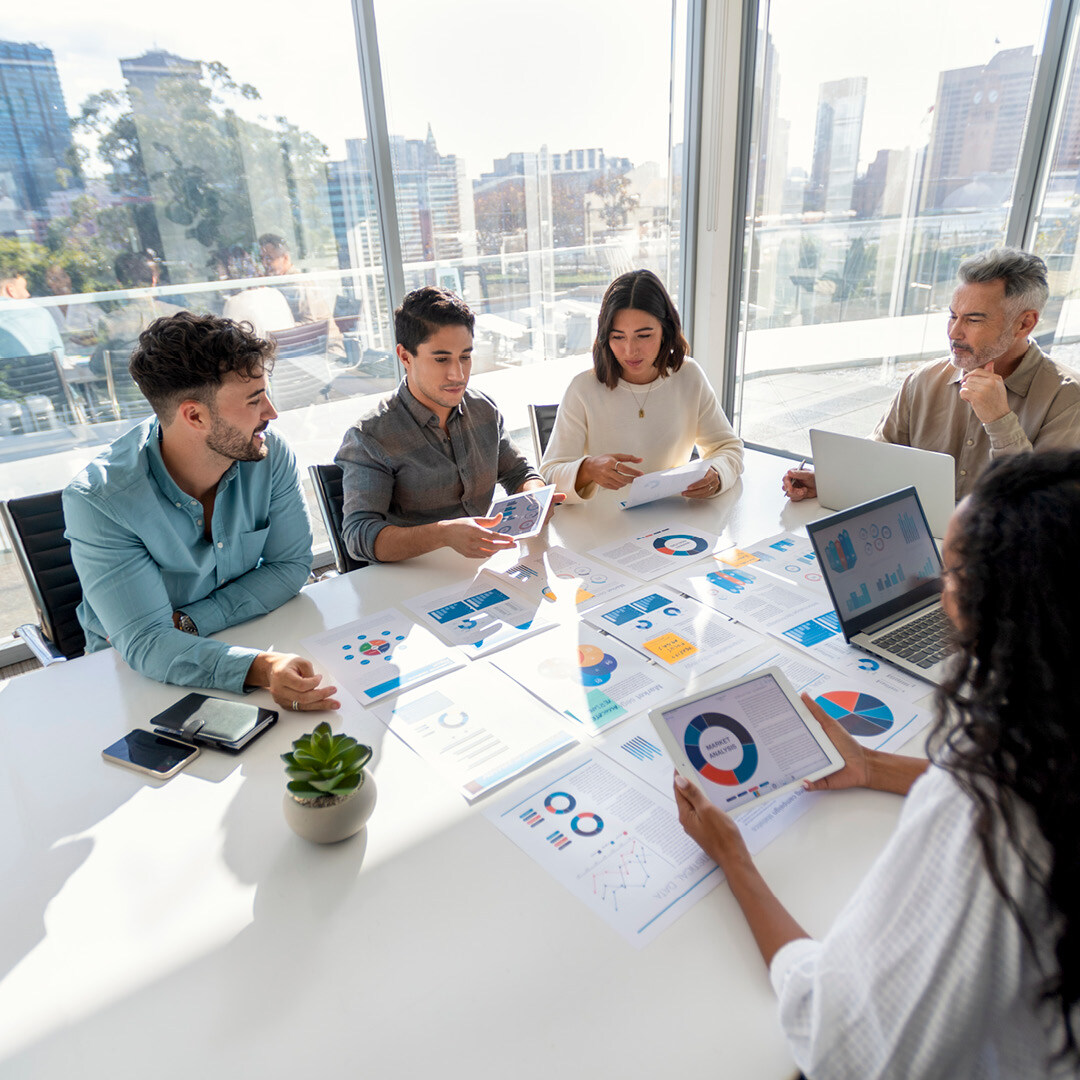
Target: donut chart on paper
859, 713
596, 665
560, 802
587, 824
708, 739
680, 544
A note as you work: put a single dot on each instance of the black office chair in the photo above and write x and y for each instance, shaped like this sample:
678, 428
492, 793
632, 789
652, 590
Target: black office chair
326, 480
40, 375
36, 526
542, 422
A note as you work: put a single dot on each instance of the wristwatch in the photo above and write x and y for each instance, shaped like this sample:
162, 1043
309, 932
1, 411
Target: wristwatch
186, 623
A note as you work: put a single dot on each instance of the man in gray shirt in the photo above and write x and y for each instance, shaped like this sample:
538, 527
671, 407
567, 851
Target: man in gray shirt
421, 466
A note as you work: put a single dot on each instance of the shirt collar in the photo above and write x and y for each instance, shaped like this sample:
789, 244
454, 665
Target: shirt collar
421, 413
1019, 382
163, 477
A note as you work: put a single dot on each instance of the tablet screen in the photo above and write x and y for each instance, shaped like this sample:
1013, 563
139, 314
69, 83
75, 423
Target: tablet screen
744, 741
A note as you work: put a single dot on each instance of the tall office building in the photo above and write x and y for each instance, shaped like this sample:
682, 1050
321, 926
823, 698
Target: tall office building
979, 120
837, 136
35, 132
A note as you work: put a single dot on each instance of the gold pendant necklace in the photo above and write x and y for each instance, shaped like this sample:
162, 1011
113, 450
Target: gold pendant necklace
641, 404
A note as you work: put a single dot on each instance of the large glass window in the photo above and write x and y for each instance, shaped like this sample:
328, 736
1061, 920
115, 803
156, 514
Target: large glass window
885, 152
536, 155
149, 163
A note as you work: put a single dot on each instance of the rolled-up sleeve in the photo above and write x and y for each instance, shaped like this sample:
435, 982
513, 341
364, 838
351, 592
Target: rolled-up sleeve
123, 586
368, 484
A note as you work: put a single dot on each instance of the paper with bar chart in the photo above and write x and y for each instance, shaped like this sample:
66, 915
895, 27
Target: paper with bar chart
684, 636
557, 572
786, 556
476, 727
381, 654
655, 553
612, 841
481, 615
590, 677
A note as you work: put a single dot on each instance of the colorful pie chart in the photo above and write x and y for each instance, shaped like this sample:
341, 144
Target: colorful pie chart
721, 749
680, 544
859, 713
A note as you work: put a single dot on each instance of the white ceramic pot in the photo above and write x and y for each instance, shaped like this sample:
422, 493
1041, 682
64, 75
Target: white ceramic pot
337, 821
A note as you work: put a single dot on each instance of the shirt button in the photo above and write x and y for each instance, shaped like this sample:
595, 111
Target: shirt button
178, 504
963, 472
194, 503
199, 522
221, 545
971, 442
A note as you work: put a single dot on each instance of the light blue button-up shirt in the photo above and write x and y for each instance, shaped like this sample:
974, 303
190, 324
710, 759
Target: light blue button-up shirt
139, 549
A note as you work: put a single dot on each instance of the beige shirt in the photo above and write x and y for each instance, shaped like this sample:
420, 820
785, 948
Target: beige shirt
929, 413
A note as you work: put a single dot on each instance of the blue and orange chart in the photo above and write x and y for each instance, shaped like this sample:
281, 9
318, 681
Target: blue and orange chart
680, 544
858, 713
721, 749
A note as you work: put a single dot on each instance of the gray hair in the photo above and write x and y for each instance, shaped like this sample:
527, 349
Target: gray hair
1024, 275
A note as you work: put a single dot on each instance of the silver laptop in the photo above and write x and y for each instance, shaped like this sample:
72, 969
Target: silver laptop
849, 470
883, 571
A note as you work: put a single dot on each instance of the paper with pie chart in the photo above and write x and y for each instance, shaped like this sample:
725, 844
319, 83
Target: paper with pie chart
878, 710
612, 841
522, 515
555, 571
381, 654
481, 615
682, 635
787, 556
476, 727
655, 553
587, 676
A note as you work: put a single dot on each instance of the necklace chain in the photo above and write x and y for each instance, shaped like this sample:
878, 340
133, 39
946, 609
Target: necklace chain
641, 404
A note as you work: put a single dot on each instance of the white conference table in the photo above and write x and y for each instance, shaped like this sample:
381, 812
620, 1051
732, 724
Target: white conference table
181, 929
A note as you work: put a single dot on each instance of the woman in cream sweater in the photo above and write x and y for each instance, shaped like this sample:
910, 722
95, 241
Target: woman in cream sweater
643, 407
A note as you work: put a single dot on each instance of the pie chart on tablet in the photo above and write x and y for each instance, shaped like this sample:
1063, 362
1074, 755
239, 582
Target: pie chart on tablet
859, 713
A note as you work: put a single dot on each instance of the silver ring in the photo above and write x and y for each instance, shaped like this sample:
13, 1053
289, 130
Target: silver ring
296, 706
618, 468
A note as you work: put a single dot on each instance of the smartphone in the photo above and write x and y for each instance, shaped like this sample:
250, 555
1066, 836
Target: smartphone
154, 755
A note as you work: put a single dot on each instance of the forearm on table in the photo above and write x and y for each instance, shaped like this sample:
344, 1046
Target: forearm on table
255, 593
769, 921
894, 773
397, 542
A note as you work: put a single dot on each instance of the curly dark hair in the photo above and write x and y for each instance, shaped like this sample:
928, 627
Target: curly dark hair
186, 355
424, 311
1008, 728
641, 290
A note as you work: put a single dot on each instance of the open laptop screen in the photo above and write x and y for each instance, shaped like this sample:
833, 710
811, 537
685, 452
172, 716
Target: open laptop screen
878, 559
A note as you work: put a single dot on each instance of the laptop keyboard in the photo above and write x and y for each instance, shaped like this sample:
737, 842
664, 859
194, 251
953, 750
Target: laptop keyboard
923, 641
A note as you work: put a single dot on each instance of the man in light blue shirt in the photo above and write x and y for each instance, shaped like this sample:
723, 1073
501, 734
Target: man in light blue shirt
25, 328
195, 520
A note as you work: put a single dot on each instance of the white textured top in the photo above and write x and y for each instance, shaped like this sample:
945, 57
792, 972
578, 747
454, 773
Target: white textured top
680, 411
925, 972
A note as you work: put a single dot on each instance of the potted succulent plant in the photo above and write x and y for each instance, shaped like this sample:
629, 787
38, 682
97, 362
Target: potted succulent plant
330, 795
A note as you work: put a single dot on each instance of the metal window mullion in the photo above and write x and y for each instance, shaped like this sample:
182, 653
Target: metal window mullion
1036, 154
367, 47
691, 163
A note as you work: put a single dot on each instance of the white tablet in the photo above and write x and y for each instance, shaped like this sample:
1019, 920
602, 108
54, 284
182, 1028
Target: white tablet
746, 740
522, 515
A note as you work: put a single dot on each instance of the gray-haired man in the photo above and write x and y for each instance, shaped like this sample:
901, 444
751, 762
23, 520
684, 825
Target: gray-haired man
997, 392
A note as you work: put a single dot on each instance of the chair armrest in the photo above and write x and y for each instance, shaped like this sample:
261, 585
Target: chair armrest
42, 648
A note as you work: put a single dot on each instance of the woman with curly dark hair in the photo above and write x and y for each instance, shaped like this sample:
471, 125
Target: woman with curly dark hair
959, 955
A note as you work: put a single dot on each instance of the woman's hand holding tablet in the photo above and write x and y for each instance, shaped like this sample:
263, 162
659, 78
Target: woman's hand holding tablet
746, 740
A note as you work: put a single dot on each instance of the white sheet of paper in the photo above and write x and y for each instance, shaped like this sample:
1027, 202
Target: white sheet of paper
522, 514
745, 594
684, 636
659, 485
587, 676
549, 573
476, 727
381, 654
787, 556
655, 553
612, 841
481, 615
876, 710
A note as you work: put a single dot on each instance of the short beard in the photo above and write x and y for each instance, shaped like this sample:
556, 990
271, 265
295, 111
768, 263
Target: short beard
229, 443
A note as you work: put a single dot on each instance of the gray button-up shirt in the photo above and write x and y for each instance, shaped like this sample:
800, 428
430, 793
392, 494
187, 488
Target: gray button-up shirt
401, 468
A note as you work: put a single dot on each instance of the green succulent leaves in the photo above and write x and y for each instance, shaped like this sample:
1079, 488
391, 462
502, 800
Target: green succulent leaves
322, 763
